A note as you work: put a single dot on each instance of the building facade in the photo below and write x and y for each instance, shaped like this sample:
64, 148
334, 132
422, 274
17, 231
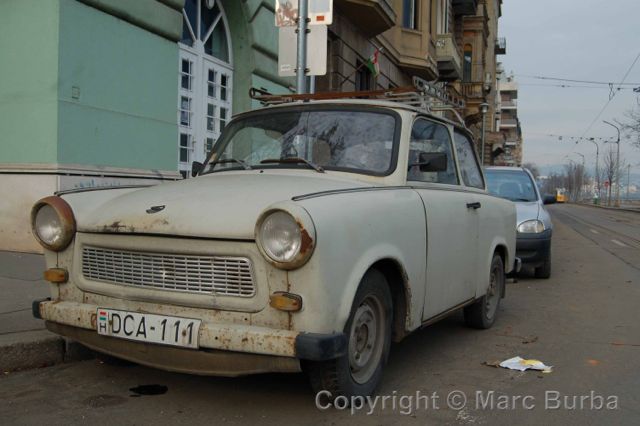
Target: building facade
509, 124
129, 92
120, 92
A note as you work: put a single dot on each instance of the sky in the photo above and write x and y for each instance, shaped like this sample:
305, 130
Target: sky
595, 40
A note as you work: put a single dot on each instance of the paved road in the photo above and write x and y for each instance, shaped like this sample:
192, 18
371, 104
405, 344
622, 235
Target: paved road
583, 321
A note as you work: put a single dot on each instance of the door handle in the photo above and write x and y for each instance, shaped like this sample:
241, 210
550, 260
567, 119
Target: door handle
474, 206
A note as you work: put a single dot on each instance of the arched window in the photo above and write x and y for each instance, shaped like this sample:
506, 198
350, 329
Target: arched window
467, 63
205, 83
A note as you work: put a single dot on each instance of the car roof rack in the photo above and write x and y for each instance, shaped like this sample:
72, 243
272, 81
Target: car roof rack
423, 96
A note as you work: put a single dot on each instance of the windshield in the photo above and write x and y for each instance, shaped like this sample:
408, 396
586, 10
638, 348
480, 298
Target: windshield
347, 140
514, 185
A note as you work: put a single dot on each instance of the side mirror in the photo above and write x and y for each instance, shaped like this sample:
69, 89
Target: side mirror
549, 199
431, 162
196, 167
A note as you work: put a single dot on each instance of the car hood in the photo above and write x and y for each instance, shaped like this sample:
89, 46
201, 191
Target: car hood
219, 205
527, 211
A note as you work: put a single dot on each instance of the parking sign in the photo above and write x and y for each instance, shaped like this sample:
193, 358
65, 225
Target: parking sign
320, 12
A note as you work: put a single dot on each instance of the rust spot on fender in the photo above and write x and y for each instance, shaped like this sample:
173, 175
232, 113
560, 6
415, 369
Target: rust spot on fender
306, 242
115, 226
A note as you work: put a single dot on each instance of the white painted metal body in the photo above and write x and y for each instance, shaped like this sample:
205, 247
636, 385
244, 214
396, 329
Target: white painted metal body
442, 248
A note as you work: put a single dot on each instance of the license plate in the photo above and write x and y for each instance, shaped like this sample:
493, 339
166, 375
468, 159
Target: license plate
162, 329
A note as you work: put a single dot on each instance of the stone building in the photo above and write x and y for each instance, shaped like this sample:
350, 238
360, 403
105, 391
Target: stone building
127, 92
509, 124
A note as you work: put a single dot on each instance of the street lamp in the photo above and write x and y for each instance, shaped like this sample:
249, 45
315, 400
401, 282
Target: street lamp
581, 175
597, 168
617, 164
484, 107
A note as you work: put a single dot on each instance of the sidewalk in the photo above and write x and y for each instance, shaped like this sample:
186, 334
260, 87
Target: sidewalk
24, 341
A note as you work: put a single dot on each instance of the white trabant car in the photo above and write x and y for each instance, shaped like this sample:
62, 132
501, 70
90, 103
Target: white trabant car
315, 234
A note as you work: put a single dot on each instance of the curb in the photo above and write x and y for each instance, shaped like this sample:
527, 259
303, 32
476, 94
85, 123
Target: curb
607, 208
37, 349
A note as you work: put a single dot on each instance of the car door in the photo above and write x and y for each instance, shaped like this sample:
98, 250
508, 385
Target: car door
451, 221
486, 211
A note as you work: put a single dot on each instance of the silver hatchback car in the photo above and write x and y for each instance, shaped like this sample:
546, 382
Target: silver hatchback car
533, 243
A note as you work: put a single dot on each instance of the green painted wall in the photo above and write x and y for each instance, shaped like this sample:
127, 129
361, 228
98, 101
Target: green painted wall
89, 88
28, 81
125, 81
255, 50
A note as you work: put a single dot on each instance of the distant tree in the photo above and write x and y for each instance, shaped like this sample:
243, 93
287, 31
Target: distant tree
610, 170
631, 125
533, 169
554, 182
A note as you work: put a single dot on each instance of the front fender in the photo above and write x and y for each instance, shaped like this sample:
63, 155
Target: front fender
354, 231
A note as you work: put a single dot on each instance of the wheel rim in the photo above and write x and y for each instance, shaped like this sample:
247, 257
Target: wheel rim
366, 339
493, 293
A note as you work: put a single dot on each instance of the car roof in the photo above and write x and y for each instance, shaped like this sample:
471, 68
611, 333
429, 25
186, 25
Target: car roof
363, 102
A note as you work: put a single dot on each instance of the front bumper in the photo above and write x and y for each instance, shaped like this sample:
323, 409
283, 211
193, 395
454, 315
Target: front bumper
533, 249
226, 350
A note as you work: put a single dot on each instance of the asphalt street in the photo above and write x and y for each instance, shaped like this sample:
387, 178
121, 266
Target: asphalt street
583, 321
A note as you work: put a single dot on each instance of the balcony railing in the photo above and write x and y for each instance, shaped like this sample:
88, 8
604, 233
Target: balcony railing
472, 89
449, 58
508, 122
372, 16
465, 7
501, 46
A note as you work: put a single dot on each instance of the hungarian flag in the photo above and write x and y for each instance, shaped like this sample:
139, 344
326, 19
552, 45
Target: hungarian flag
372, 63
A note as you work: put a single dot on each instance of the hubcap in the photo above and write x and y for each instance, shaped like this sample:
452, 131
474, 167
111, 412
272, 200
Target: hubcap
366, 339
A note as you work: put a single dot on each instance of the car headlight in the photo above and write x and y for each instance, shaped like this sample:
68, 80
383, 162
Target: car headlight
531, 227
52, 223
285, 241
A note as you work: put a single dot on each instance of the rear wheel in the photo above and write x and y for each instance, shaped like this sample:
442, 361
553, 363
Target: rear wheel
368, 330
482, 314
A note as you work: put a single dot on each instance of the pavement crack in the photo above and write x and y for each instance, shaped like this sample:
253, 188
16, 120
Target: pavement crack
13, 312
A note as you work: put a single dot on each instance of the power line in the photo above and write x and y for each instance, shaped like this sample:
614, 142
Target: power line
612, 95
608, 83
565, 86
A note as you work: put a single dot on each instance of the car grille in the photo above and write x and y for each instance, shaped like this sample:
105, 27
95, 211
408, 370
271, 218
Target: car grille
221, 275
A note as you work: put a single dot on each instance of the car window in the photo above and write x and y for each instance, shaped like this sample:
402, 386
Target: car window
430, 137
345, 140
513, 185
469, 169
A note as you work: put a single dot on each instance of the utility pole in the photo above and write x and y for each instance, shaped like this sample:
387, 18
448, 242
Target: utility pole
301, 60
628, 180
597, 168
617, 164
581, 184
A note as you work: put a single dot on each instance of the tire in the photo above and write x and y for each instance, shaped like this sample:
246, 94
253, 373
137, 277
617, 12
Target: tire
359, 372
544, 271
482, 314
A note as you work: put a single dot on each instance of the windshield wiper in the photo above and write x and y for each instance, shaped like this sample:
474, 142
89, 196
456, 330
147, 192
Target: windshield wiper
294, 160
230, 160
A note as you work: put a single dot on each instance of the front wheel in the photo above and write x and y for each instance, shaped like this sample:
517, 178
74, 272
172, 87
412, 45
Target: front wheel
368, 330
544, 271
482, 314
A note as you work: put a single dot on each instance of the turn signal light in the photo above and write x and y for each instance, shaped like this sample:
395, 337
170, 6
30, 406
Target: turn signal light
285, 301
56, 275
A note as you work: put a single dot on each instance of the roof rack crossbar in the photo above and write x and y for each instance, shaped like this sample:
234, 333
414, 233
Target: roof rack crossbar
423, 95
